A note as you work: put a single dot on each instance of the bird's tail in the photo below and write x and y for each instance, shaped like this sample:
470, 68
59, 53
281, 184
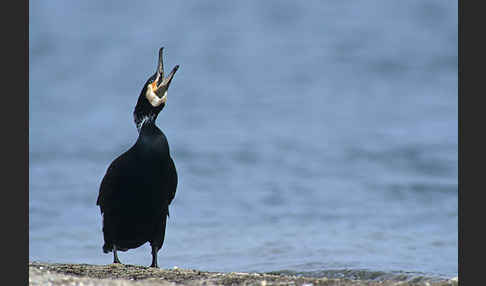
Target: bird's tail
107, 247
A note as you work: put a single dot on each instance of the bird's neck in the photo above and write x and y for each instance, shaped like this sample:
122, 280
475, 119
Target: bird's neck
144, 113
144, 120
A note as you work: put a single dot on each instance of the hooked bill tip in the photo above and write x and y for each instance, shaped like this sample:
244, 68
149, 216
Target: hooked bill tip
160, 65
161, 52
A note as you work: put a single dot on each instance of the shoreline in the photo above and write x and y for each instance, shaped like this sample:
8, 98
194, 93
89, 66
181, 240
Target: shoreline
115, 274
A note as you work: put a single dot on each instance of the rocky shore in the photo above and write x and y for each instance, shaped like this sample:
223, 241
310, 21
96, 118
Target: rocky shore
118, 275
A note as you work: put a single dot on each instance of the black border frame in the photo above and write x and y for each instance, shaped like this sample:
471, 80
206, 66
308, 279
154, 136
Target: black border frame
15, 143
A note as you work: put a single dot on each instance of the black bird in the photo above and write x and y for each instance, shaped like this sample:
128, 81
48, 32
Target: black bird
140, 184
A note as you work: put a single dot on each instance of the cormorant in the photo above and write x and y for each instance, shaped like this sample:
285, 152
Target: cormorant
140, 184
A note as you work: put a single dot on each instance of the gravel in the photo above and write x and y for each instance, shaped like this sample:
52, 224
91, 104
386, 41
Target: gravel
118, 274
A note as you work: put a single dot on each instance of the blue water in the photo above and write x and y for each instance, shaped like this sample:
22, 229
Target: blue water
309, 136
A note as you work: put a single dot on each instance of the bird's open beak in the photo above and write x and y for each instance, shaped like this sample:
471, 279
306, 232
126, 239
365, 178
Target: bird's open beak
161, 84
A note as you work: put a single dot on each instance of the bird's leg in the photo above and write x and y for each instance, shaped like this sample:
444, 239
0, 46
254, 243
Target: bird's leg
115, 256
154, 257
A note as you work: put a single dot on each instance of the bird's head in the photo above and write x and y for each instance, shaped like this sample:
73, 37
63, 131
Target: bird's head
153, 97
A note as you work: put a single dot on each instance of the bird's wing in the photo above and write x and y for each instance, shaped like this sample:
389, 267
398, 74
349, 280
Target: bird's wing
106, 189
108, 185
172, 184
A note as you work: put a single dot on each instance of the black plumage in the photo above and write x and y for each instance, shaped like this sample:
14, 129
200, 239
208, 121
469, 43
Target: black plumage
140, 184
